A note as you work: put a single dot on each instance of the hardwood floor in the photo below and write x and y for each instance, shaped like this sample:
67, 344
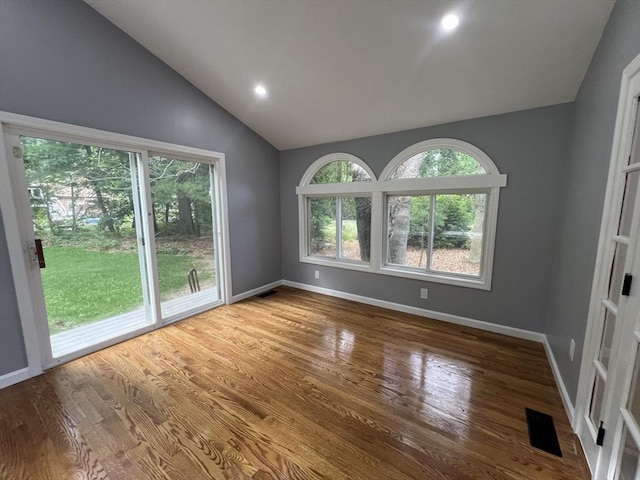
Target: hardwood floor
293, 386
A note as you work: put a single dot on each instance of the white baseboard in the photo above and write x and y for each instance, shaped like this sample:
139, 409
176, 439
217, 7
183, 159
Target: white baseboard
458, 320
446, 317
14, 377
255, 291
562, 388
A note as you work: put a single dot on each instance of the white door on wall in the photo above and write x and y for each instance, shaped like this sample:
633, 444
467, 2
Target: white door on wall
608, 403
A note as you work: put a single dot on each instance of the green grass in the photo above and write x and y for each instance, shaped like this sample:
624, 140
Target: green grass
82, 286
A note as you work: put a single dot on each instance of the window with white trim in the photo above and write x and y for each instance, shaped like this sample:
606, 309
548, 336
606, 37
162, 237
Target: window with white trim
431, 216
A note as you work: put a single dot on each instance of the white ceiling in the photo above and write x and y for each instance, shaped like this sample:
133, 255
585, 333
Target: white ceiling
340, 69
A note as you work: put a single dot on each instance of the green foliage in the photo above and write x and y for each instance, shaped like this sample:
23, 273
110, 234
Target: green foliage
443, 162
419, 221
323, 211
454, 215
174, 181
98, 181
340, 171
454, 219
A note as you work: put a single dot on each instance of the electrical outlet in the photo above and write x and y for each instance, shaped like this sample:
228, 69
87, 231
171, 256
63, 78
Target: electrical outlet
317, 274
572, 349
424, 293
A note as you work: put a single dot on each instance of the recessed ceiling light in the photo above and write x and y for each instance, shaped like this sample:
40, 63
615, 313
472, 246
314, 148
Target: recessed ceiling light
450, 22
260, 91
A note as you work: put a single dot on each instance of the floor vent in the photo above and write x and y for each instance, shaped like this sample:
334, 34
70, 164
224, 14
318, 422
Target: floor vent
542, 432
266, 294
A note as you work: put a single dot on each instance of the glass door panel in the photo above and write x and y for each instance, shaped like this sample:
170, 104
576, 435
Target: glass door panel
629, 198
629, 467
607, 337
182, 193
83, 202
629, 459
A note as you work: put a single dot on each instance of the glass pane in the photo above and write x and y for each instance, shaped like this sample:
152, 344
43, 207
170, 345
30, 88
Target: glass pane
607, 337
439, 162
596, 400
634, 392
628, 202
340, 172
457, 236
356, 228
635, 147
82, 205
183, 220
408, 230
322, 228
629, 464
617, 272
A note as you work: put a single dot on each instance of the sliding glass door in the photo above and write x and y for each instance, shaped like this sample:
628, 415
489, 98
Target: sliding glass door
120, 240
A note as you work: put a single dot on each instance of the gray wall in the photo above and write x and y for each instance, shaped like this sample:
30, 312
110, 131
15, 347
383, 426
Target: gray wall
529, 147
12, 353
61, 60
583, 193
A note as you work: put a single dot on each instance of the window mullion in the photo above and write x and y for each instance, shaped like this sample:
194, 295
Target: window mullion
378, 230
432, 222
338, 227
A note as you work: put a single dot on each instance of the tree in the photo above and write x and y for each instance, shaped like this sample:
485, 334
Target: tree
181, 192
363, 215
399, 214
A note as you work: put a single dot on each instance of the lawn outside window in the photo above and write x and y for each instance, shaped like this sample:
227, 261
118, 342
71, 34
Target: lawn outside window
432, 215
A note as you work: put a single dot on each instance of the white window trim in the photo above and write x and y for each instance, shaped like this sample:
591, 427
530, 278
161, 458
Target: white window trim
490, 182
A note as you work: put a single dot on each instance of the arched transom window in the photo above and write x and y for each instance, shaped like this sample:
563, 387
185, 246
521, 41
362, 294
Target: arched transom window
432, 215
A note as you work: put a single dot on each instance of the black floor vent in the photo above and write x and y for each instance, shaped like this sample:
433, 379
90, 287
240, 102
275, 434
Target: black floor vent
542, 432
266, 294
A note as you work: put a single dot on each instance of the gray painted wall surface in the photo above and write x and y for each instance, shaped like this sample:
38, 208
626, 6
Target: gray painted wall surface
528, 146
12, 352
587, 168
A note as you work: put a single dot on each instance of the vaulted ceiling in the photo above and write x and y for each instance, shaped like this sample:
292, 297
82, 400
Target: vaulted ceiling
340, 69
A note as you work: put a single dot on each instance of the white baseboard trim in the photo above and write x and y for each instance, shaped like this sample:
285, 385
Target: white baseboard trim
255, 291
14, 377
562, 388
445, 317
468, 322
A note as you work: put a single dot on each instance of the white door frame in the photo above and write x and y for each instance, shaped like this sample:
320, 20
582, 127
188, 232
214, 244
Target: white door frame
629, 92
18, 242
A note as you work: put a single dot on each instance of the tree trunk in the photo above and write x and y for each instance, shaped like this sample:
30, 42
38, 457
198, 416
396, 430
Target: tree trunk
478, 222
400, 216
106, 220
47, 204
363, 224
399, 219
363, 217
185, 218
74, 220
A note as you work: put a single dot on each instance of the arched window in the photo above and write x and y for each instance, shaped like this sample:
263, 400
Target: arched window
431, 216
337, 222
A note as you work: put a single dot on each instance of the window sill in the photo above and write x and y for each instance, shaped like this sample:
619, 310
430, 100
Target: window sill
333, 262
458, 281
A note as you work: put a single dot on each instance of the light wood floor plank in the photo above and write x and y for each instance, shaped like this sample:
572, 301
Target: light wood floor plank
294, 386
